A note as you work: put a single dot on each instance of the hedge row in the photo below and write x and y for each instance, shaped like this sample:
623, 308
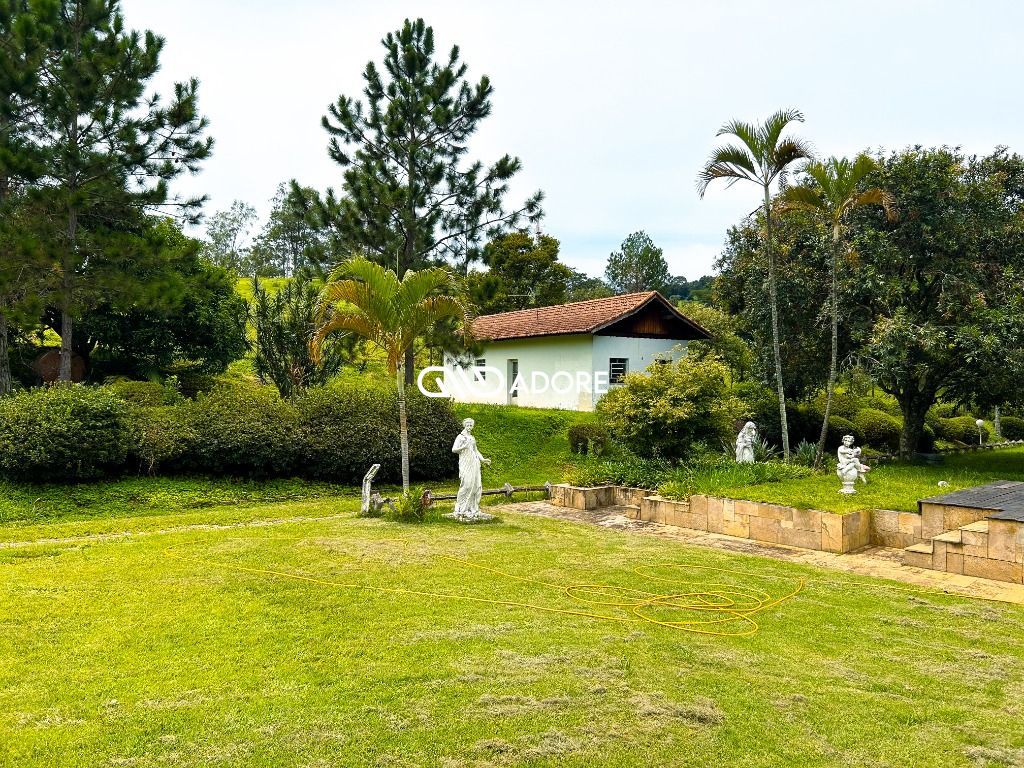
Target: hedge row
82, 433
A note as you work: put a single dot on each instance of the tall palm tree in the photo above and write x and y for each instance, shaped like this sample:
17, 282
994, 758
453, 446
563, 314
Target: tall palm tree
763, 157
836, 192
369, 300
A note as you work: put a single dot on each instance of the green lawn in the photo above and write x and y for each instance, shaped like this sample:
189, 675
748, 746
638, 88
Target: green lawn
890, 486
157, 650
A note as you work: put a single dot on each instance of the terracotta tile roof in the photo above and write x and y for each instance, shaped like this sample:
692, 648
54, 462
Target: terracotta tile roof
577, 317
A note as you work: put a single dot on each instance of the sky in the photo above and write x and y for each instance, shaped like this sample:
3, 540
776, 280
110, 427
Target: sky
611, 106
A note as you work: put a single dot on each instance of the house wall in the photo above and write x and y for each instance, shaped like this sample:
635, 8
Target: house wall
549, 355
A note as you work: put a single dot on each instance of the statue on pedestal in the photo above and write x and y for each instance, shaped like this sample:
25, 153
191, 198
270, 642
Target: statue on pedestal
745, 443
849, 466
467, 502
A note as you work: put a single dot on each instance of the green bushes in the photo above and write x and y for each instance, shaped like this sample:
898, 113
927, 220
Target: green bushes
80, 433
629, 470
959, 429
63, 433
342, 430
588, 439
878, 429
668, 409
1012, 427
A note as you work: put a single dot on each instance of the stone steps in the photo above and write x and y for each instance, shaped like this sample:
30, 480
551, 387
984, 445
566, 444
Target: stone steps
970, 550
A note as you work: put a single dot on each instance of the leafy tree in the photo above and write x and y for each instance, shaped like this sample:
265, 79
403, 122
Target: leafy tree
581, 287
523, 272
762, 157
835, 192
725, 341
639, 265
289, 242
110, 152
192, 319
409, 197
227, 238
944, 280
23, 38
284, 324
370, 301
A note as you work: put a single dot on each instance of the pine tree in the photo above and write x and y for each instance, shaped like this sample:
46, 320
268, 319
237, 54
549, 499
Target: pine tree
111, 150
409, 199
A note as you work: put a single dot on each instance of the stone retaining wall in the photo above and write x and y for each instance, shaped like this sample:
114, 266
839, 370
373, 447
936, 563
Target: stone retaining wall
760, 521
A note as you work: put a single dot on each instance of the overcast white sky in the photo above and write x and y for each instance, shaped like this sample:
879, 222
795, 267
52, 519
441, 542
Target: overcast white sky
612, 106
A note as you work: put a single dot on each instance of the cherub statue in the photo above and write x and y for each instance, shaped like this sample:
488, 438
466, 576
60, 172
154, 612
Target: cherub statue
849, 466
467, 502
745, 443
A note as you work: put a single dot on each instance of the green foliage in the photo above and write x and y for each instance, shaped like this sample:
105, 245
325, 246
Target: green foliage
713, 478
64, 433
959, 429
246, 431
805, 453
408, 507
628, 469
878, 429
227, 235
589, 439
725, 340
342, 430
161, 437
284, 324
844, 404
145, 393
523, 272
1012, 427
639, 265
669, 408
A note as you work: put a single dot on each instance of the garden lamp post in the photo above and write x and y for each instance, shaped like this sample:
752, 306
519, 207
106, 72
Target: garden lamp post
981, 424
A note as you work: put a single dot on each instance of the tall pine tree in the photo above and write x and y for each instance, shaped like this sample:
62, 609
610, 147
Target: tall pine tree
111, 151
409, 198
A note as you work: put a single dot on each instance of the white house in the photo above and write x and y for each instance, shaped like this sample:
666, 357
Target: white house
567, 356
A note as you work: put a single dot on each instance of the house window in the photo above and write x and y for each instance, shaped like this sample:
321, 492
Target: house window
480, 364
618, 367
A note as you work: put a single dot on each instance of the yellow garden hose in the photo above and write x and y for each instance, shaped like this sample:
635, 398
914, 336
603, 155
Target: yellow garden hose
722, 610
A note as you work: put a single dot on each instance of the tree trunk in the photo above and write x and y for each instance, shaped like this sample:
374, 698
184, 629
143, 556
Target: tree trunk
6, 384
833, 369
409, 366
773, 300
914, 405
403, 429
66, 351
998, 426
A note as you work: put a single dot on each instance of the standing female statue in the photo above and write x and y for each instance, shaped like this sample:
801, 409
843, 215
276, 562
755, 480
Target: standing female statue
467, 503
745, 443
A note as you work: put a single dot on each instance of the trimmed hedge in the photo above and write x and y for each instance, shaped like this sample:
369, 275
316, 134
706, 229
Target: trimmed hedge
878, 429
959, 429
342, 431
83, 432
1012, 427
64, 433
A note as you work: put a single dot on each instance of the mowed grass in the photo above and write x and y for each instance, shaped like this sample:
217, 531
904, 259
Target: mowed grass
889, 486
157, 650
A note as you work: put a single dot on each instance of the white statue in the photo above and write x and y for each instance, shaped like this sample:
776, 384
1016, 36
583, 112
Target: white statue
467, 503
850, 467
745, 443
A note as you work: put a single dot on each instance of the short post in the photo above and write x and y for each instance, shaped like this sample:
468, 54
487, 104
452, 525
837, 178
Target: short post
981, 425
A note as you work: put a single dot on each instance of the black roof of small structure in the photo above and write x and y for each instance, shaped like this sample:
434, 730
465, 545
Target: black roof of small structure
1004, 497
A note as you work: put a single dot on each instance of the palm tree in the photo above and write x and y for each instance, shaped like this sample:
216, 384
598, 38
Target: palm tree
762, 157
366, 299
836, 192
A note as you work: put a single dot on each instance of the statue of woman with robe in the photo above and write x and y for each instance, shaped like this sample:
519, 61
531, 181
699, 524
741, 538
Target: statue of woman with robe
467, 503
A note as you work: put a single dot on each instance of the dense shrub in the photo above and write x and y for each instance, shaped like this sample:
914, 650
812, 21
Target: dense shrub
63, 433
959, 429
341, 431
145, 393
669, 408
239, 430
588, 439
838, 428
407, 508
844, 404
878, 429
629, 470
161, 436
1012, 427
680, 483
946, 410
885, 403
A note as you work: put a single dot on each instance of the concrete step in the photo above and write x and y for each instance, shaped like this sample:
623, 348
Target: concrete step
979, 527
919, 555
632, 511
950, 537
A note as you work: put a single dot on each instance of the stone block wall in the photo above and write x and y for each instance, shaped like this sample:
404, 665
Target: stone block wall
899, 530
938, 518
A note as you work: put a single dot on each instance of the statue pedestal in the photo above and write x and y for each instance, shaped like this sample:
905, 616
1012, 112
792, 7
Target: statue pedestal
848, 487
475, 517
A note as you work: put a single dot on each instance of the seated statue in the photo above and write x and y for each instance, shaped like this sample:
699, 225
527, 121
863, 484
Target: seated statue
745, 443
849, 466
